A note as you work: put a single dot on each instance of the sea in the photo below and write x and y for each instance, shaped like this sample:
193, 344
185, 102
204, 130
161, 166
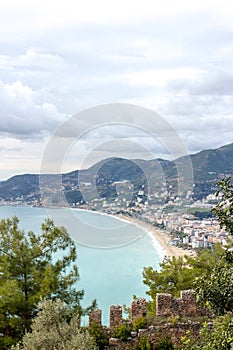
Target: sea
111, 252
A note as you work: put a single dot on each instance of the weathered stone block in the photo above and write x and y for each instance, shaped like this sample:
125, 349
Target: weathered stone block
95, 316
114, 341
137, 309
167, 305
115, 316
163, 304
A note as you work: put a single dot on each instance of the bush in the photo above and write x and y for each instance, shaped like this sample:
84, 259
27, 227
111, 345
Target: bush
165, 343
56, 327
99, 335
122, 332
145, 344
139, 323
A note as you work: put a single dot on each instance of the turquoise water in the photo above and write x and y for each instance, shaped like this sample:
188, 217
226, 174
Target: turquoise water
111, 252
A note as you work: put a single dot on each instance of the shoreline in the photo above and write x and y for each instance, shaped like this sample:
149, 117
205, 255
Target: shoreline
159, 237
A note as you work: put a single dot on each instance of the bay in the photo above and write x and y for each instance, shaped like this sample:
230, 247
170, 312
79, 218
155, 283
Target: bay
111, 252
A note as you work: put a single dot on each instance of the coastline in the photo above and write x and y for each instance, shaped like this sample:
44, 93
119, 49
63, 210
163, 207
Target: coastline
159, 237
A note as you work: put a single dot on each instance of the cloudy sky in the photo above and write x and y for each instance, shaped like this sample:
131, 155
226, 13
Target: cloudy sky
58, 58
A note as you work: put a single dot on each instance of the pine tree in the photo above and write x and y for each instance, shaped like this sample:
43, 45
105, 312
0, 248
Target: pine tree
33, 267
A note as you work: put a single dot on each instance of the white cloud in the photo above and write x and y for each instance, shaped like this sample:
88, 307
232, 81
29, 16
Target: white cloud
58, 58
160, 77
40, 60
21, 115
20, 156
40, 14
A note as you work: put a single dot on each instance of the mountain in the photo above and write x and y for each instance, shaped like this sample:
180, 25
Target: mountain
210, 166
24, 186
109, 178
218, 160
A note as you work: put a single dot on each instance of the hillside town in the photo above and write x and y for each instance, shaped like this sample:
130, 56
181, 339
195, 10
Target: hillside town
189, 224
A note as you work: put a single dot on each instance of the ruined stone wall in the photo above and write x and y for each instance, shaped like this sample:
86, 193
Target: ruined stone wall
167, 305
188, 305
95, 316
115, 316
158, 331
164, 304
137, 309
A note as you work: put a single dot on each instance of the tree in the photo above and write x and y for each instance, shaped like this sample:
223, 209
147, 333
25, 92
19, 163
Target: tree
216, 288
178, 274
33, 267
224, 209
171, 278
56, 326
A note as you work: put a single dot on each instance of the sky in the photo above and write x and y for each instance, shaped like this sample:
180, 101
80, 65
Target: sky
60, 58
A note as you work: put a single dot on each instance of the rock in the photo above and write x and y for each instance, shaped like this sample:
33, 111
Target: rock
134, 334
114, 341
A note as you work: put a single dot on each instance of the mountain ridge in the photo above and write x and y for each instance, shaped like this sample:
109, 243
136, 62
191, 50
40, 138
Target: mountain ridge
209, 166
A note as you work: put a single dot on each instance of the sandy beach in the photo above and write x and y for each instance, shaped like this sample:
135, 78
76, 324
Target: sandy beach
160, 236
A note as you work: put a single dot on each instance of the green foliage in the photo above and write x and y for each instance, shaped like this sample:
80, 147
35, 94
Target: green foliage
178, 274
122, 332
169, 278
164, 343
56, 326
174, 319
188, 343
126, 311
224, 209
139, 323
216, 337
98, 334
221, 336
144, 344
203, 214
216, 289
33, 267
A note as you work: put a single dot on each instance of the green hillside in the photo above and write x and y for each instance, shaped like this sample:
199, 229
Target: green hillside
208, 167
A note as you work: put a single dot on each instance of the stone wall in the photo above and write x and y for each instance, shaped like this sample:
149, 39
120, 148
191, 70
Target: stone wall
115, 316
167, 305
158, 331
137, 309
95, 316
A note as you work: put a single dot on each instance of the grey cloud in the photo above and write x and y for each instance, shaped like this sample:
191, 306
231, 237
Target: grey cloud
72, 67
21, 116
10, 149
214, 82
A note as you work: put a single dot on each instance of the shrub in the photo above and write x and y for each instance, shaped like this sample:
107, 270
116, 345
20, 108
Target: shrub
145, 344
140, 322
122, 332
164, 343
56, 327
99, 335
